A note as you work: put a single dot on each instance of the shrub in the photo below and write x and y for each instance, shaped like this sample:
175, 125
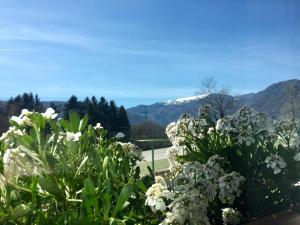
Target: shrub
66, 172
264, 152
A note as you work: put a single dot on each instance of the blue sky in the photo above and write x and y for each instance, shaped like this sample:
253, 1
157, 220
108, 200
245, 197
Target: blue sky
143, 51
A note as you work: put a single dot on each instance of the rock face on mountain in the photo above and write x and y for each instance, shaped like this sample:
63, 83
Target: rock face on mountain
277, 101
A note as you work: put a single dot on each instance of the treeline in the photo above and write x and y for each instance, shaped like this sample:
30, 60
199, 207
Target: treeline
113, 118
14, 106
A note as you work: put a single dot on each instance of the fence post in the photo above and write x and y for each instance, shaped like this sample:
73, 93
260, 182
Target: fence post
152, 155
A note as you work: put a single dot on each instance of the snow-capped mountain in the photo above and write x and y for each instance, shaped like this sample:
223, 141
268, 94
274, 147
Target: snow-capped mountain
274, 100
184, 100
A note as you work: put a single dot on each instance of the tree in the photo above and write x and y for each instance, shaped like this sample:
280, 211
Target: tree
38, 106
219, 99
123, 122
15, 105
103, 112
3, 118
71, 105
113, 116
24, 101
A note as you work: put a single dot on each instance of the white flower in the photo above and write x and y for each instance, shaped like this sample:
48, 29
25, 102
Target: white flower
7, 156
231, 216
229, 185
276, 163
160, 205
21, 120
119, 135
156, 195
49, 114
12, 131
210, 130
132, 150
25, 112
297, 157
17, 162
297, 184
70, 136
98, 126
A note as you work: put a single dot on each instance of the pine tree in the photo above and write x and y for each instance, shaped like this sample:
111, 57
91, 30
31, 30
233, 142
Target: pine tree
103, 112
71, 105
123, 122
113, 117
38, 106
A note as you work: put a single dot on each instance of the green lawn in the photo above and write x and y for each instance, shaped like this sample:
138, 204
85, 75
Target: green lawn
159, 165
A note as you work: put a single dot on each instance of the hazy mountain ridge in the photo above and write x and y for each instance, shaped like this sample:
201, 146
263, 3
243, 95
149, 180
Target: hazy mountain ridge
274, 100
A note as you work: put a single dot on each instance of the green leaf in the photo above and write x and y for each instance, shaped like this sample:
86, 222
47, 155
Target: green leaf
74, 121
64, 124
106, 205
51, 187
124, 196
105, 163
81, 165
114, 221
54, 125
90, 199
41, 121
34, 192
27, 140
83, 122
20, 211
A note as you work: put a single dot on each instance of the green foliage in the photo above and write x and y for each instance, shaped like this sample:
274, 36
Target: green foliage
68, 172
245, 140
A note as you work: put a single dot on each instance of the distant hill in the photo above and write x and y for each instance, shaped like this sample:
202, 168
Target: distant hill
274, 101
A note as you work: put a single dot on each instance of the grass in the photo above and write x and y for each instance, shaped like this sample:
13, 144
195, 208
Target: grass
159, 165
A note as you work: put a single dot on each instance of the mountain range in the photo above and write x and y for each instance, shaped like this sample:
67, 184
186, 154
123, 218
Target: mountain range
276, 100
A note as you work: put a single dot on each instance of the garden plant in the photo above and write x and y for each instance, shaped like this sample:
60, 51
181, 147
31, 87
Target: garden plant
57, 171
68, 172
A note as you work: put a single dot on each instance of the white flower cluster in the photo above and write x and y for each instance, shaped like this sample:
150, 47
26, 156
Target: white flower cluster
229, 187
71, 136
288, 132
174, 165
187, 207
24, 120
244, 126
18, 163
11, 133
132, 150
177, 131
157, 194
194, 188
173, 132
231, 216
213, 167
276, 163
